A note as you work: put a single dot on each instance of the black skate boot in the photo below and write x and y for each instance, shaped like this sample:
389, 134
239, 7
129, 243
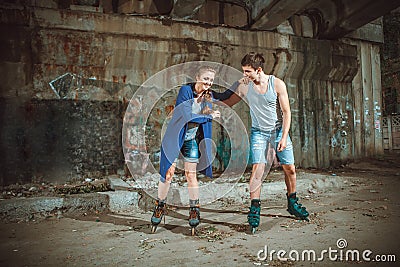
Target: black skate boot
158, 214
294, 208
254, 215
194, 218
194, 215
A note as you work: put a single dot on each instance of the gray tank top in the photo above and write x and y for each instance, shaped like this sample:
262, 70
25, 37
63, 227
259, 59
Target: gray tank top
265, 111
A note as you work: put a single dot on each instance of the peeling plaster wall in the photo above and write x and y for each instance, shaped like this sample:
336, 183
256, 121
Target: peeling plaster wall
335, 101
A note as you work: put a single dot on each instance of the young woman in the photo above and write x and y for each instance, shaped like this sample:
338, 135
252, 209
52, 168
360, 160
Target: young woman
188, 121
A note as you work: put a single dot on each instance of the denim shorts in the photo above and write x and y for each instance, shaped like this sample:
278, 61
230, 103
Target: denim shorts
259, 141
190, 151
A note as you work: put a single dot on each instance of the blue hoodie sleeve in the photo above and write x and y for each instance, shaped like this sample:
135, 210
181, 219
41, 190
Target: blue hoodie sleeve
225, 95
184, 103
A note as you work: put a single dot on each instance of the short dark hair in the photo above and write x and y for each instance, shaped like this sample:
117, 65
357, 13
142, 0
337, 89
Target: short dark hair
254, 60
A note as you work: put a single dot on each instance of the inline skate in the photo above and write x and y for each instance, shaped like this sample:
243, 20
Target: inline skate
295, 208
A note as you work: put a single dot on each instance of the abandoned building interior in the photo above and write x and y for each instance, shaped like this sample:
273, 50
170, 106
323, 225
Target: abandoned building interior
70, 68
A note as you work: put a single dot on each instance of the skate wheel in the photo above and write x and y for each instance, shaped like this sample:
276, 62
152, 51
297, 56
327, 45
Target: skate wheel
253, 230
193, 231
153, 229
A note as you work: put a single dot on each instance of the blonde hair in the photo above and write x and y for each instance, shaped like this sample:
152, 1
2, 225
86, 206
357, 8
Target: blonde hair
203, 69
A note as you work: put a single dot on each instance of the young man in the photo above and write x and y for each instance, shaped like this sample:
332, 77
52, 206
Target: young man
268, 100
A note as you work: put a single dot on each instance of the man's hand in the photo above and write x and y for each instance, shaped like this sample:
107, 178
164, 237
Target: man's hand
244, 80
281, 145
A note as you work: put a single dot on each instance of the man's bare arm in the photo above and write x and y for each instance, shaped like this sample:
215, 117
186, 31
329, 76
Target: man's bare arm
283, 97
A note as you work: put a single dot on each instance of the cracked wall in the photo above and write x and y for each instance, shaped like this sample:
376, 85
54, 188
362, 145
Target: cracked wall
77, 133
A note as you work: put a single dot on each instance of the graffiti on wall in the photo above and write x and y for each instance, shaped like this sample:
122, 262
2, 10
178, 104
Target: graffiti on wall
341, 127
71, 86
306, 124
377, 117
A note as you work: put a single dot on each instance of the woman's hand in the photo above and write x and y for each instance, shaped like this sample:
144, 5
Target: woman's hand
216, 114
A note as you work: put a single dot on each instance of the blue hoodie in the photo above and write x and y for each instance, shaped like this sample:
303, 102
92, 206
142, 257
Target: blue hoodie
176, 130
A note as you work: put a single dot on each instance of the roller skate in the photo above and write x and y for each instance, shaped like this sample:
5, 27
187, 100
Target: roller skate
254, 215
194, 218
294, 208
158, 214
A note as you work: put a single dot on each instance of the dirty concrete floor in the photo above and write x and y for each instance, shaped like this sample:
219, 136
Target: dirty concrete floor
364, 211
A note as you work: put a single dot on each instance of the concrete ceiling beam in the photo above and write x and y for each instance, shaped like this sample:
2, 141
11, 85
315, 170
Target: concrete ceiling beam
354, 14
267, 15
186, 9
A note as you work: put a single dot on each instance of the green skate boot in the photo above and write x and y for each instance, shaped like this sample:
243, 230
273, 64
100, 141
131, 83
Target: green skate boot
158, 214
254, 215
294, 208
194, 218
